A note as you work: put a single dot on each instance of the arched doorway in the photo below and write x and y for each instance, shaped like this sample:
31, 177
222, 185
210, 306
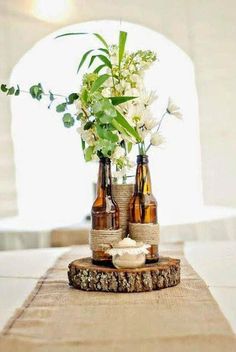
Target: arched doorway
53, 183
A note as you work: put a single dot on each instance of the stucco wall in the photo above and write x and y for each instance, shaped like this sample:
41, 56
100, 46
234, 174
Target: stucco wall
204, 29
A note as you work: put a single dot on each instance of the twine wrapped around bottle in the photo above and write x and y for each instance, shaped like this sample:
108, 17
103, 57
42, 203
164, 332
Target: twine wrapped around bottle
146, 233
122, 195
101, 240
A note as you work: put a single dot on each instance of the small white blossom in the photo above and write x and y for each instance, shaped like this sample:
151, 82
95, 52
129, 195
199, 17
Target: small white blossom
108, 83
118, 153
157, 139
136, 115
150, 123
173, 109
106, 92
86, 135
143, 133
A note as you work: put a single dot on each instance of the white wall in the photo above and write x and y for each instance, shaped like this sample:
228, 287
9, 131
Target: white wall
205, 30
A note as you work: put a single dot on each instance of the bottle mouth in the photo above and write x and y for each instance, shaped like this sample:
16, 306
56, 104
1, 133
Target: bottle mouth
142, 159
105, 160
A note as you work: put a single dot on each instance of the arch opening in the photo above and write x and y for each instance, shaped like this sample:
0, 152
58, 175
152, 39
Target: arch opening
54, 184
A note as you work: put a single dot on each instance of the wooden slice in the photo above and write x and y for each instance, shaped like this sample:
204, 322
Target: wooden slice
84, 275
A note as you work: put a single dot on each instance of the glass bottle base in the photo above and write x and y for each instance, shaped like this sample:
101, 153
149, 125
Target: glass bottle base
152, 260
107, 263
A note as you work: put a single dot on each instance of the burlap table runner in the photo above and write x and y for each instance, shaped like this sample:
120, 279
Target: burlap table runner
57, 318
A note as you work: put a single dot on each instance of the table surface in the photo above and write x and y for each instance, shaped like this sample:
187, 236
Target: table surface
20, 271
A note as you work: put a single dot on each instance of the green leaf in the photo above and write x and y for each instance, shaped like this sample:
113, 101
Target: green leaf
68, 120
51, 96
36, 91
122, 41
61, 107
84, 57
119, 128
92, 60
72, 97
11, 91
99, 82
68, 34
105, 118
104, 109
4, 88
129, 146
125, 124
104, 50
79, 116
105, 60
17, 92
84, 96
120, 100
88, 153
82, 143
102, 40
106, 134
99, 68
88, 125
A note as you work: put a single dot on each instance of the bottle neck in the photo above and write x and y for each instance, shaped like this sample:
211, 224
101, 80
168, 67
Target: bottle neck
143, 178
104, 178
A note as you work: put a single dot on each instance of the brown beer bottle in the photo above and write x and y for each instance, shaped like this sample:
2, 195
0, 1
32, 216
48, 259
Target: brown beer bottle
143, 205
105, 211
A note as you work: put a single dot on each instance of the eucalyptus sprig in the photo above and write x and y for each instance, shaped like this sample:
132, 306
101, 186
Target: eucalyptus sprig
110, 105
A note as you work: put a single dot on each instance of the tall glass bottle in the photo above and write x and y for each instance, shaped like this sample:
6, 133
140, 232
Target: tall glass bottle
105, 211
143, 205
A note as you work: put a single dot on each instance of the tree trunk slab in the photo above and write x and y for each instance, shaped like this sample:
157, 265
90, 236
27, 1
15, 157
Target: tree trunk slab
84, 275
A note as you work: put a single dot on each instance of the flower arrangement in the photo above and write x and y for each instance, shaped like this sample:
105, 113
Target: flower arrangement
112, 106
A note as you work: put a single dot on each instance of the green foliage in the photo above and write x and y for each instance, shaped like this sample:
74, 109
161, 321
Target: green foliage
99, 68
120, 100
36, 91
84, 57
120, 119
88, 152
122, 42
4, 88
97, 35
17, 91
88, 125
61, 107
105, 60
68, 120
99, 82
11, 91
72, 98
79, 116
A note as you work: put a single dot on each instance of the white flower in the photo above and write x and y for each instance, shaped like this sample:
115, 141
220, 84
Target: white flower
173, 109
132, 92
150, 123
118, 153
143, 133
106, 92
157, 139
108, 83
136, 114
148, 98
86, 135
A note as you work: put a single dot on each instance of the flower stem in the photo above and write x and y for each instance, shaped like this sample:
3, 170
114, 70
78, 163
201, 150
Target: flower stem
158, 127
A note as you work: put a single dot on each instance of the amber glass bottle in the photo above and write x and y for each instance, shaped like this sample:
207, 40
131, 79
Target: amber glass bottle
105, 211
143, 205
